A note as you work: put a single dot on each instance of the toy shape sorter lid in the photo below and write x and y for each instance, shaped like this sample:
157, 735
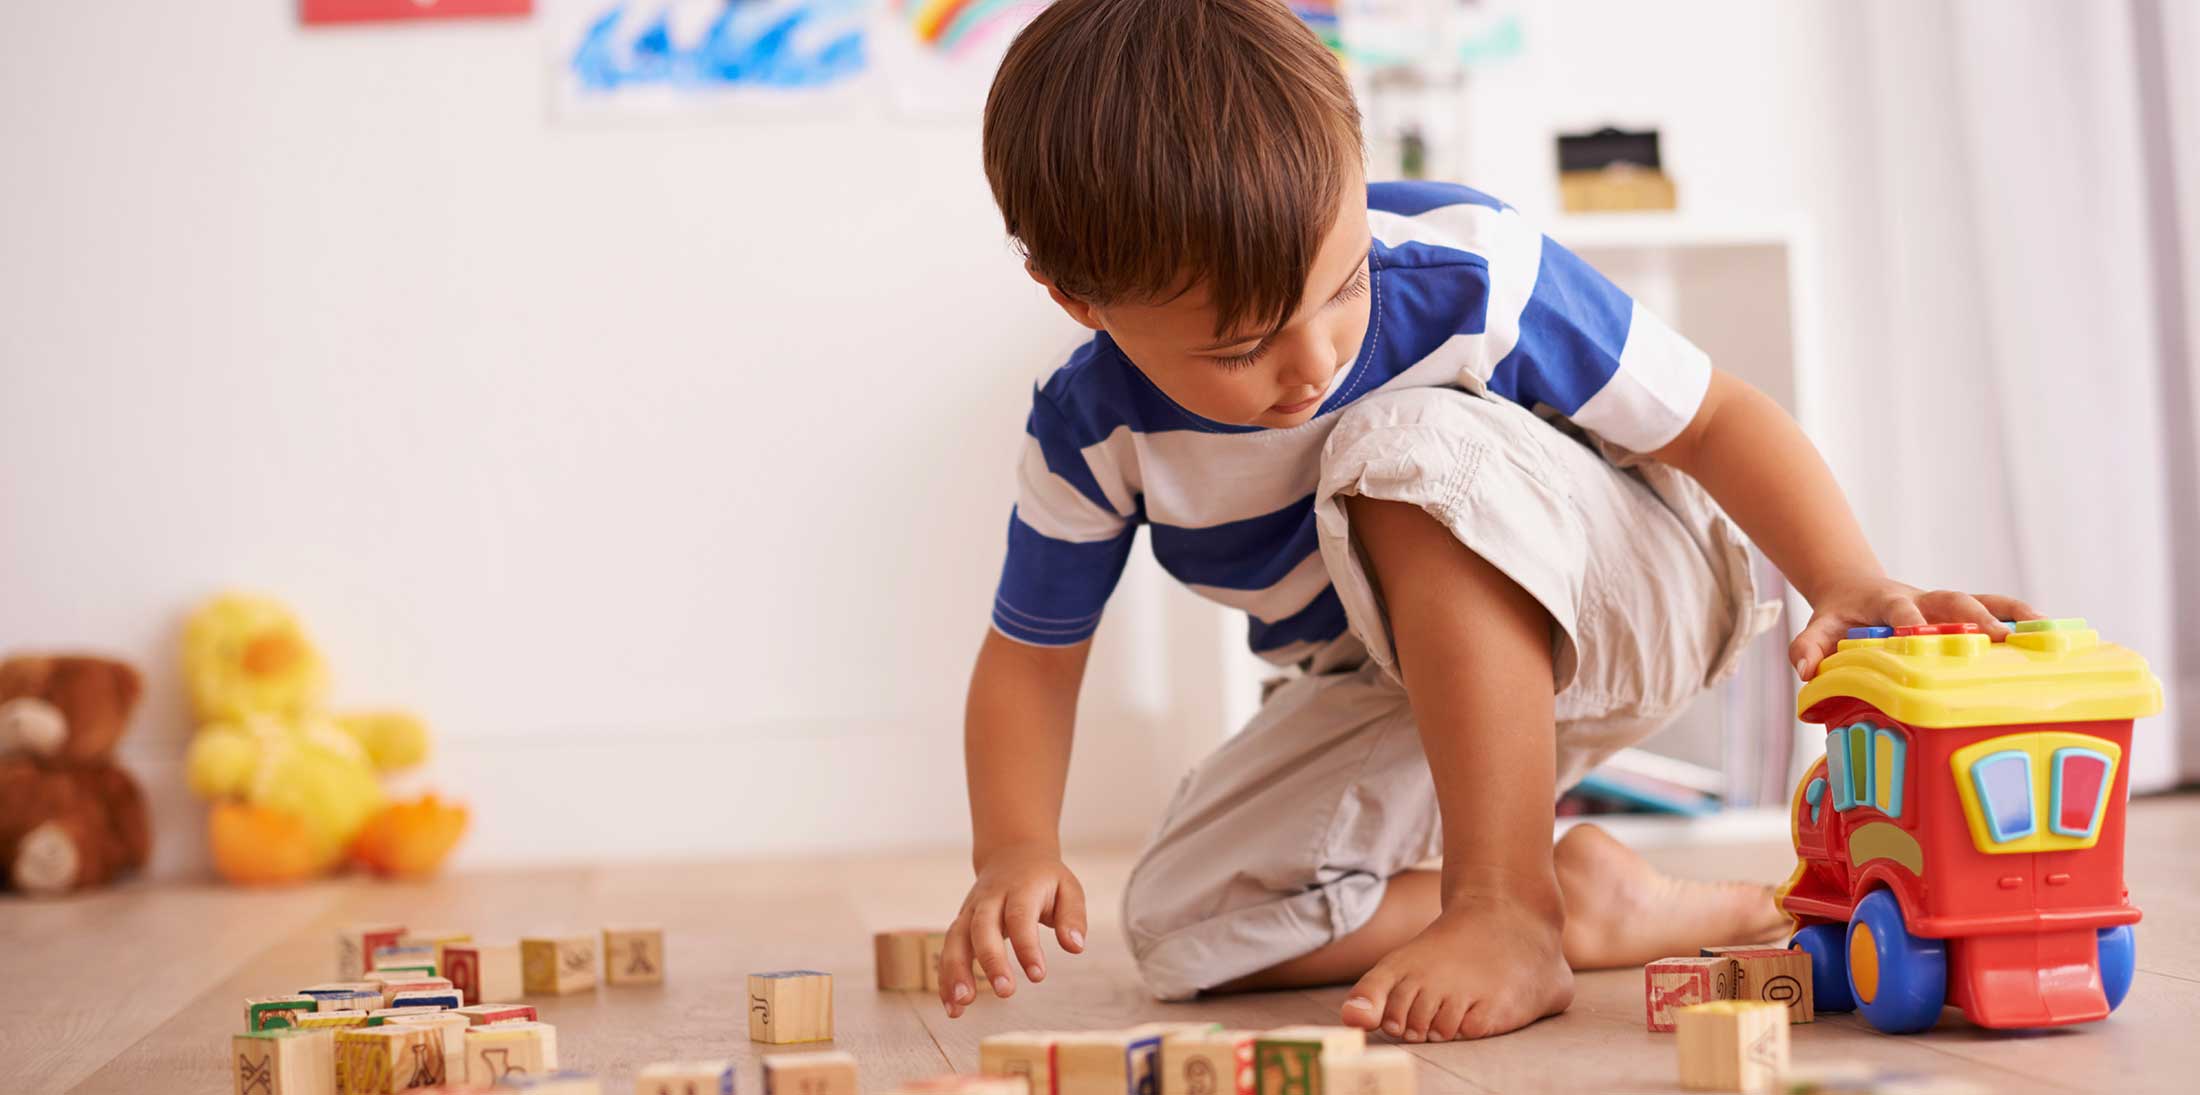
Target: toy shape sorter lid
1953, 675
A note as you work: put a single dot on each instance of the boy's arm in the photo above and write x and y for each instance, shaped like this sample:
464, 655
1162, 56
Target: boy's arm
1016, 744
1757, 463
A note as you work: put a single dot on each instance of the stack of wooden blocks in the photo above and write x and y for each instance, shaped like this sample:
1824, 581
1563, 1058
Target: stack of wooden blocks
1183, 1059
1731, 1007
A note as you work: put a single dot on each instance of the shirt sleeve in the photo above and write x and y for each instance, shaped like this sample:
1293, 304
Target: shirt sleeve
1595, 355
1067, 540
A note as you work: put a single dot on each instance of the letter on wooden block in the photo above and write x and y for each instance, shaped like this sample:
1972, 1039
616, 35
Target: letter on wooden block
1732, 1045
284, 1062
277, 1012
1288, 1061
387, 1059
900, 959
484, 971
1775, 975
448, 1026
557, 964
499, 1050
1208, 1062
357, 943
791, 1006
1383, 1070
1670, 984
634, 955
1123, 1062
809, 1074
686, 1078
1029, 1054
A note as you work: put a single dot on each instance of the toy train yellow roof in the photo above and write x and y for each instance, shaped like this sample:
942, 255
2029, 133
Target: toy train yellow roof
1940, 676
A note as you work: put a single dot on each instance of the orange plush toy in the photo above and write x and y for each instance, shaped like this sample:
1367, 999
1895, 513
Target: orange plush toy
70, 818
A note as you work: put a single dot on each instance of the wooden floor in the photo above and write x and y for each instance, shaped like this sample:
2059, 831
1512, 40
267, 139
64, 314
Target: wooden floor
139, 989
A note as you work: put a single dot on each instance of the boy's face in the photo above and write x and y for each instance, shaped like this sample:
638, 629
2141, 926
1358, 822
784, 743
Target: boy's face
1274, 379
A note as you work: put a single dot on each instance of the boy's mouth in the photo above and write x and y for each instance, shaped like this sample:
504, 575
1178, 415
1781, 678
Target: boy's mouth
1294, 408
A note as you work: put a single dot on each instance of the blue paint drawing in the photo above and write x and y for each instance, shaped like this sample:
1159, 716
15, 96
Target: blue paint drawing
779, 44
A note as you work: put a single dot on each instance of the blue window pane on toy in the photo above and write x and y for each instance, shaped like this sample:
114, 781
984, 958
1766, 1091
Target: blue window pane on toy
1815, 794
1837, 767
2004, 784
1888, 753
1871, 633
2080, 780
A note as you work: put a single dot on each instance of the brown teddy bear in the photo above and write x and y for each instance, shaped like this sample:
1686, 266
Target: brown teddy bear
70, 818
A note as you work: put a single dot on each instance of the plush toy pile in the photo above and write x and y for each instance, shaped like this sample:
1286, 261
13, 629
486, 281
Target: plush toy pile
296, 787
70, 817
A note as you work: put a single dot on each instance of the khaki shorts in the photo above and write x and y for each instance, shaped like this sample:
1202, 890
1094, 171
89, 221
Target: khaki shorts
1284, 839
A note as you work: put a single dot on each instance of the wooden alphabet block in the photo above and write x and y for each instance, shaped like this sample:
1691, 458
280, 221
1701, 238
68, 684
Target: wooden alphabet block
1732, 1045
1208, 1062
277, 1012
901, 959
437, 938
1775, 976
634, 955
348, 1001
791, 1006
1029, 1054
498, 1050
357, 943
557, 964
398, 956
387, 1059
484, 971
426, 998
284, 1062
340, 988
1288, 1061
482, 1014
686, 1078
333, 1020
832, 1073
379, 1016
564, 1082
934, 943
394, 983
1382, 1070
1670, 984
1122, 1062
448, 1026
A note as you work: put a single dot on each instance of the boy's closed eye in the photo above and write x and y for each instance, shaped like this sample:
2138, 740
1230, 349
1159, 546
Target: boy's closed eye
1352, 290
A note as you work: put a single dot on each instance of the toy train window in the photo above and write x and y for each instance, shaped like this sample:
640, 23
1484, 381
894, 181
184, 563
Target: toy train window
1864, 765
2043, 791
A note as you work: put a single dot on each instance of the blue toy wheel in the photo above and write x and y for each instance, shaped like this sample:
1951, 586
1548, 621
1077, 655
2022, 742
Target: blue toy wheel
2119, 956
1900, 980
1827, 945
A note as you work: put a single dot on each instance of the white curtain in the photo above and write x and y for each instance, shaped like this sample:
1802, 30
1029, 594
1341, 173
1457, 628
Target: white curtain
2028, 382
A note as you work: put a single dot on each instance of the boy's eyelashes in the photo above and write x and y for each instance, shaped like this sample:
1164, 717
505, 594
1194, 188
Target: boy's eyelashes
1353, 290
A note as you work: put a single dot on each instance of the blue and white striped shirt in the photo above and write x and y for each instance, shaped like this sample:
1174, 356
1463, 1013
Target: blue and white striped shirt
1464, 293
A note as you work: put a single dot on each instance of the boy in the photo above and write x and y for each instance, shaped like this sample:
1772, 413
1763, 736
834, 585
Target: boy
1320, 396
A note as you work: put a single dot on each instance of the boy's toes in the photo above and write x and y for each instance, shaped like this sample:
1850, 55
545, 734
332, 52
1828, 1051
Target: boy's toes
1445, 1026
1423, 1010
1364, 1007
1402, 998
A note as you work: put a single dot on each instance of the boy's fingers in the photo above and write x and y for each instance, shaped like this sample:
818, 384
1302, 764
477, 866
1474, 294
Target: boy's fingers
1021, 915
1813, 643
1069, 914
1949, 606
1901, 610
954, 969
2009, 608
985, 942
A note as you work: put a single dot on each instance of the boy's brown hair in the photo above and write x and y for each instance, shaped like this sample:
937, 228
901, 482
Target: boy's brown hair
1140, 147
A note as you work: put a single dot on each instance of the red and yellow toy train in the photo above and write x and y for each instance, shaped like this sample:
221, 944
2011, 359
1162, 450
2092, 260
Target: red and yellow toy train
1962, 842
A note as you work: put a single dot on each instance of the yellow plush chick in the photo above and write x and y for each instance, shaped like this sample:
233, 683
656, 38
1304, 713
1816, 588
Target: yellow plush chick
392, 739
246, 655
305, 767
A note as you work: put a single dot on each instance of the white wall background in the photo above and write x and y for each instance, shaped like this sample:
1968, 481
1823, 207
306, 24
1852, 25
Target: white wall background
665, 469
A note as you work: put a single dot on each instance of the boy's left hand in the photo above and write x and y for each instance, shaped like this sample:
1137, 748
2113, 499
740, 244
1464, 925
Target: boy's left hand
1875, 601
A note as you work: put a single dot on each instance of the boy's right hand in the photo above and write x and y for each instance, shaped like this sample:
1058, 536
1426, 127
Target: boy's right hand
1018, 889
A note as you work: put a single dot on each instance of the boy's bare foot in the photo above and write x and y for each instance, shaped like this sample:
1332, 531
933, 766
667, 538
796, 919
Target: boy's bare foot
1620, 911
1482, 968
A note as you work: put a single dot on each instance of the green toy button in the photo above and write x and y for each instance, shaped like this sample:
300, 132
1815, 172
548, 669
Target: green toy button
2067, 623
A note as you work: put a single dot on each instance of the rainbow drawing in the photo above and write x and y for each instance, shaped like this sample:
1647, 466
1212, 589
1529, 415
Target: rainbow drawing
957, 26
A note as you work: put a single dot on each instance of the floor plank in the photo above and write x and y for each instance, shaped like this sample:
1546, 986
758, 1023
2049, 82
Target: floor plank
143, 985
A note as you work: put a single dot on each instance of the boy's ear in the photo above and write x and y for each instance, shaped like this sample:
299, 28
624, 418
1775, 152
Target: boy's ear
1078, 310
